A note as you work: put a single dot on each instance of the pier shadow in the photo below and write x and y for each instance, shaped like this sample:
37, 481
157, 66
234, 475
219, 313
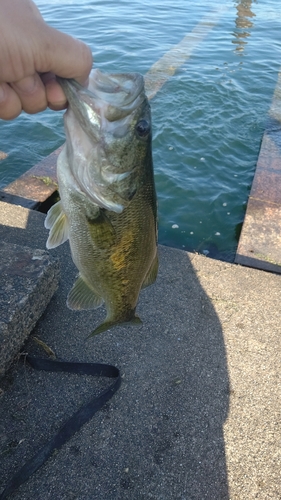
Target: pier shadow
161, 436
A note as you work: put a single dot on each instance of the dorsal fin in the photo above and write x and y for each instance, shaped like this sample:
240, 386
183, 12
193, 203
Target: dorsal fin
152, 273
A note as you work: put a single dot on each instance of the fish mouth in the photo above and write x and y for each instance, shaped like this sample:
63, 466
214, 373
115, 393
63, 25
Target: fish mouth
101, 120
120, 90
108, 98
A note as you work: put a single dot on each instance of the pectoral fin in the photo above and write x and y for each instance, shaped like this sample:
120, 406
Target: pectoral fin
101, 230
57, 222
82, 296
152, 273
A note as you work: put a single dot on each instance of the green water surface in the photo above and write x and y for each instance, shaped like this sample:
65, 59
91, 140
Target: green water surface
208, 119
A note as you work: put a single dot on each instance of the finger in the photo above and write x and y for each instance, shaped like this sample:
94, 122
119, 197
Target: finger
55, 95
32, 93
66, 56
10, 103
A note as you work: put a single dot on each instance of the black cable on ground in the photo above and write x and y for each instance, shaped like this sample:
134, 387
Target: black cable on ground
77, 420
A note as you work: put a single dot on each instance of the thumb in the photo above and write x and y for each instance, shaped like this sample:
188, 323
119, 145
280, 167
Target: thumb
64, 56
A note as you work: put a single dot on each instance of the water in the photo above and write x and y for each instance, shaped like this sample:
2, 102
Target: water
208, 119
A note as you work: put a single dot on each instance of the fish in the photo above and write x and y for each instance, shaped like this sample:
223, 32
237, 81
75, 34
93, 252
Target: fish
107, 208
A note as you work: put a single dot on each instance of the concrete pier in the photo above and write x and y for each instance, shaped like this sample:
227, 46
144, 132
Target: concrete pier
198, 412
260, 241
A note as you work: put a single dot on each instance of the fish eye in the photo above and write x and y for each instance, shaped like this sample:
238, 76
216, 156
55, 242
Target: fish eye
143, 128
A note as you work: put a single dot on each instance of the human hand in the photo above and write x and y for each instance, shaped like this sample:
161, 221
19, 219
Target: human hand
31, 54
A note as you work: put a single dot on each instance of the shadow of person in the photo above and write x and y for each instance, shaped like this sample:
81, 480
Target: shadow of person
161, 436
185, 383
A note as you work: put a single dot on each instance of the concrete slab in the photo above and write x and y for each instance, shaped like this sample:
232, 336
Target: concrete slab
28, 279
35, 186
260, 241
198, 413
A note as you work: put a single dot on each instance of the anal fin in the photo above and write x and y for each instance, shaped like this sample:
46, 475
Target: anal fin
82, 296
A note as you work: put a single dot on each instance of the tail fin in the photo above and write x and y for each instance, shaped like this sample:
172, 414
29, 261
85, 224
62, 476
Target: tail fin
108, 324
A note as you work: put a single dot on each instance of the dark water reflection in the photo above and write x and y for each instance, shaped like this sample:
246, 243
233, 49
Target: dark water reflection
243, 22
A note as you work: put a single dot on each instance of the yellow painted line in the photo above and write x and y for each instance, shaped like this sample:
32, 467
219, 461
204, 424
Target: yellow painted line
161, 71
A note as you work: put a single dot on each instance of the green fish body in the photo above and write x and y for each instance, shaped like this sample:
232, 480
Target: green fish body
107, 208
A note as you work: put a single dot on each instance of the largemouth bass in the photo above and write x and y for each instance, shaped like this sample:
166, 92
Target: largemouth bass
107, 208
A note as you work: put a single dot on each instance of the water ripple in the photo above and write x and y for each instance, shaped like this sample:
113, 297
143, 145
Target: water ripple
208, 119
